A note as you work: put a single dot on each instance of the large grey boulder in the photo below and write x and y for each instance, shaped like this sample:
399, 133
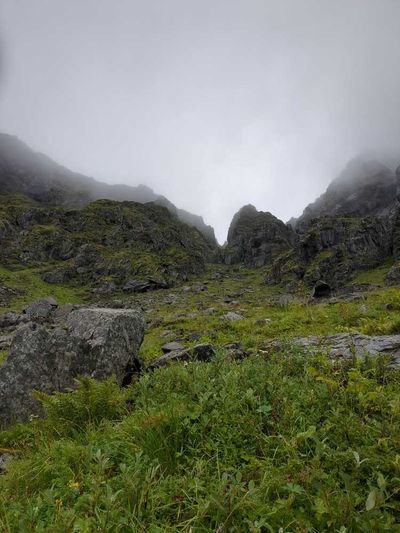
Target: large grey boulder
346, 345
98, 343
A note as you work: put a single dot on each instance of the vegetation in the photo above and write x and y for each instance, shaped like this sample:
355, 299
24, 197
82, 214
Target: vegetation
29, 286
286, 442
282, 443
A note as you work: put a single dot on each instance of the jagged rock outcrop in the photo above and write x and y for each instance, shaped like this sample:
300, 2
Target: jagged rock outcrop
256, 238
353, 226
23, 171
364, 188
99, 343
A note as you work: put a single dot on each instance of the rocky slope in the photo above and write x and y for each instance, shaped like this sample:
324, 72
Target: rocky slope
107, 245
35, 175
353, 226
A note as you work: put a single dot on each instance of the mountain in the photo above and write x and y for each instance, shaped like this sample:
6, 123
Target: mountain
37, 176
364, 188
256, 238
353, 226
104, 245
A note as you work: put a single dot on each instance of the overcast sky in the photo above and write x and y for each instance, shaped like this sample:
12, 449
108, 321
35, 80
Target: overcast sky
212, 103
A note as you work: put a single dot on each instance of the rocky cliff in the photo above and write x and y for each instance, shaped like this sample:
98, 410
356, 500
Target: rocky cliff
256, 238
353, 226
106, 244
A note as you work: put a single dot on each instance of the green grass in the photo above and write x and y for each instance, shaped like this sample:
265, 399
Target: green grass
377, 313
32, 287
288, 443
375, 276
3, 355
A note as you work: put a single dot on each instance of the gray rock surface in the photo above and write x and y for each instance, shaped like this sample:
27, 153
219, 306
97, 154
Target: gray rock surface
346, 345
256, 238
93, 342
231, 316
40, 310
200, 352
172, 347
393, 276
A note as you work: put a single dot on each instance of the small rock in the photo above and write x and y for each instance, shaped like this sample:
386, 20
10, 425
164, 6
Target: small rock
203, 352
172, 347
231, 317
165, 333
364, 308
210, 311
5, 459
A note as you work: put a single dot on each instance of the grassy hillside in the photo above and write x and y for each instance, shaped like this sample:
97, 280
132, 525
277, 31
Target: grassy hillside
285, 443
271, 443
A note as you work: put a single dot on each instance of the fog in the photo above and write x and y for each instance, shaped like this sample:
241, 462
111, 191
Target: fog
212, 103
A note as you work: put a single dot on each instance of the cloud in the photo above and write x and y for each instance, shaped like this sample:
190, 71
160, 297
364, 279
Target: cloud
214, 104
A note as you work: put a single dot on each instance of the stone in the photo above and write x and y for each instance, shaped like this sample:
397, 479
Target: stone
5, 459
11, 319
58, 276
346, 345
210, 311
393, 275
5, 341
321, 290
231, 317
175, 356
40, 310
144, 286
94, 342
202, 352
172, 347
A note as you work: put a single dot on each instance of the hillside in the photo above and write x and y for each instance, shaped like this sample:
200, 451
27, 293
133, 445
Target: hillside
38, 177
150, 381
352, 227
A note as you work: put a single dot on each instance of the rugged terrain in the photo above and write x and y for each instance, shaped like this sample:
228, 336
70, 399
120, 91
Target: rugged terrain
151, 381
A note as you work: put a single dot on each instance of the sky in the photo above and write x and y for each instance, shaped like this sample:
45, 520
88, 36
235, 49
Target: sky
213, 103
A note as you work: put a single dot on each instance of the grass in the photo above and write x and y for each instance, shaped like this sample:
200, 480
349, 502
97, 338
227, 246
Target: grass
31, 287
287, 443
267, 313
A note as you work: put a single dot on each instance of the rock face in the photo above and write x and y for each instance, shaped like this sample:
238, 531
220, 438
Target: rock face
364, 188
353, 226
93, 342
348, 345
256, 238
112, 245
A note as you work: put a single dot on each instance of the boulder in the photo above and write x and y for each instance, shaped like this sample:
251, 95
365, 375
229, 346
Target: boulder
98, 343
40, 310
393, 276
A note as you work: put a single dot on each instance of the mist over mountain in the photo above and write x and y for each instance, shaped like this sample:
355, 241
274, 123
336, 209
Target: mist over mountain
37, 176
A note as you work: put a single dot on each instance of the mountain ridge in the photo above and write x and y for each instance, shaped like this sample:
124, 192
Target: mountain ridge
22, 170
